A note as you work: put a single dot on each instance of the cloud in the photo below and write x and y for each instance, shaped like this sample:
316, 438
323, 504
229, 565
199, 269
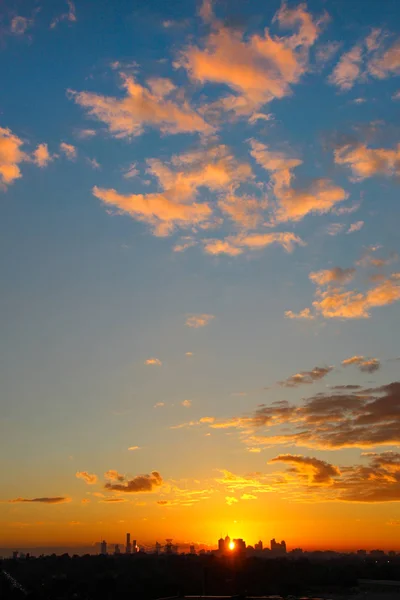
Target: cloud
306, 377
70, 15
113, 500
338, 419
316, 471
42, 156
367, 365
248, 497
93, 163
159, 404
140, 483
303, 314
114, 475
199, 320
233, 246
11, 156
131, 171
335, 228
186, 403
343, 304
355, 227
293, 204
45, 500
386, 63
20, 24
257, 68
89, 478
230, 500
153, 361
189, 354
158, 105
366, 162
177, 205
335, 275
348, 69
134, 448
69, 150
244, 211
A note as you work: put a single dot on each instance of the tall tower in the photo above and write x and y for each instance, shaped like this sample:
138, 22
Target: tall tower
103, 547
128, 547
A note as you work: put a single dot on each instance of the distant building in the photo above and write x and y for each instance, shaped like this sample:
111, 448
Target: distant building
361, 552
134, 547
278, 549
158, 548
103, 547
259, 546
192, 549
117, 549
239, 546
128, 546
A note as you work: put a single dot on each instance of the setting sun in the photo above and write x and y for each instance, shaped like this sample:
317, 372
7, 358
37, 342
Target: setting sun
231, 545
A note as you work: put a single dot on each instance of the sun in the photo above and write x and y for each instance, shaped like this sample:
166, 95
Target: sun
231, 545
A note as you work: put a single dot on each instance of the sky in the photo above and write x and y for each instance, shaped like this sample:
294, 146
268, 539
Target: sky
200, 272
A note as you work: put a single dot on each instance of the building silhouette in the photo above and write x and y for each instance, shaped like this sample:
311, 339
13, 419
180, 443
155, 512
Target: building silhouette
103, 547
278, 549
258, 546
128, 546
117, 549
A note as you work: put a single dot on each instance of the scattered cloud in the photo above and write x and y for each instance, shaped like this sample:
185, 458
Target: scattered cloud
199, 320
11, 156
315, 471
186, 403
234, 246
69, 16
230, 500
355, 227
153, 361
114, 475
45, 500
367, 365
42, 156
69, 150
256, 68
94, 163
335, 275
140, 483
189, 354
131, 171
19, 25
306, 377
293, 204
158, 104
366, 162
159, 404
303, 314
134, 448
348, 69
89, 478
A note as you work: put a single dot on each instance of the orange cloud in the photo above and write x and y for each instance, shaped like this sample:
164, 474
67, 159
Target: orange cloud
348, 69
386, 63
89, 478
69, 150
316, 471
157, 105
11, 156
186, 403
306, 377
176, 205
367, 365
365, 162
20, 24
70, 15
140, 483
254, 241
153, 361
199, 320
303, 314
257, 69
337, 275
293, 204
45, 500
41, 156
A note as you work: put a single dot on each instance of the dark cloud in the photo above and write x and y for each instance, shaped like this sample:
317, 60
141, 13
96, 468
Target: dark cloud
140, 483
304, 377
366, 365
315, 470
346, 387
356, 418
45, 500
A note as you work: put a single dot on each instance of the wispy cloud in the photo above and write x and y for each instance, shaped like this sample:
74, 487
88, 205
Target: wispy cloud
89, 478
198, 320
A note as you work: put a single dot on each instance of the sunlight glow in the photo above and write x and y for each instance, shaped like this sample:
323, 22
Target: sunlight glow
231, 545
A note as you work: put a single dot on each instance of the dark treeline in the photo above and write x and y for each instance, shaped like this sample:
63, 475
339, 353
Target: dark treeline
146, 577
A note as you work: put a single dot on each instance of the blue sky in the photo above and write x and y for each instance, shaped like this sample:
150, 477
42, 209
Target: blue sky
284, 163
